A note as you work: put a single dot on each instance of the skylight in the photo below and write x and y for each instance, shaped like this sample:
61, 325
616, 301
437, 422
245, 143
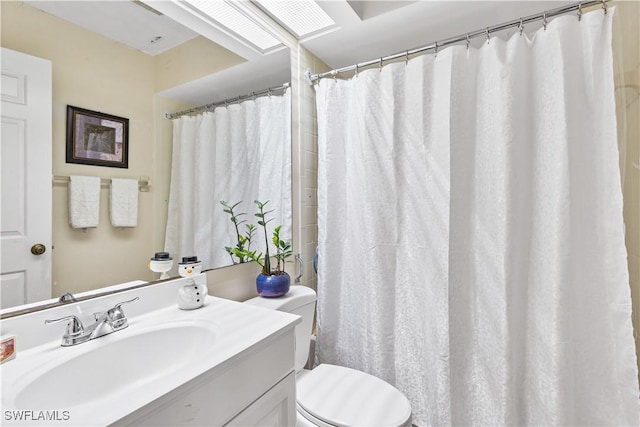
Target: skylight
302, 17
234, 21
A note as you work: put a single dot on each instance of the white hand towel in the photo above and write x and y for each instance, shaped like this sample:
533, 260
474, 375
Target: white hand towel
124, 202
84, 201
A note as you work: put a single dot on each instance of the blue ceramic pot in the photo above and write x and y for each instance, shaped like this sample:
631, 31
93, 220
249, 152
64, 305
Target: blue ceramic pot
273, 286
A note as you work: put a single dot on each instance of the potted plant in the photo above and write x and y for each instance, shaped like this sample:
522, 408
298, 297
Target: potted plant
243, 241
271, 282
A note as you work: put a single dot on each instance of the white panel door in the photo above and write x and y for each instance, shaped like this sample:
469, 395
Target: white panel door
26, 178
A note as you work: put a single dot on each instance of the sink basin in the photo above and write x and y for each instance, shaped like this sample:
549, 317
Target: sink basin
168, 367
102, 368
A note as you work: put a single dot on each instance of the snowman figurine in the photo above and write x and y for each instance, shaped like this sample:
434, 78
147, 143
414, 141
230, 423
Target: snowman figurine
191, 295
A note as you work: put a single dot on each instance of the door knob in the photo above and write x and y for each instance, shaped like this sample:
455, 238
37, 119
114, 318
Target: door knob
38, 249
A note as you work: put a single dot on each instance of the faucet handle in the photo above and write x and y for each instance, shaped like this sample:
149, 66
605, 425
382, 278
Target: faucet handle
74, 327
117, 306
116, 315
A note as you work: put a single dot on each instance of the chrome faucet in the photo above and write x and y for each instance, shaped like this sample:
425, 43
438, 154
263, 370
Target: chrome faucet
105, 323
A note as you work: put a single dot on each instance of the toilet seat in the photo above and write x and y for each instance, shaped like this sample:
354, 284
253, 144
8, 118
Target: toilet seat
331, 395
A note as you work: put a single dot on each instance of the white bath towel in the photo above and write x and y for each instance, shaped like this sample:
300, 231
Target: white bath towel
84, 201
124, 202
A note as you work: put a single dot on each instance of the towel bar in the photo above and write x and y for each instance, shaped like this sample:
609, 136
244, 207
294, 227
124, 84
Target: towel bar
144, 183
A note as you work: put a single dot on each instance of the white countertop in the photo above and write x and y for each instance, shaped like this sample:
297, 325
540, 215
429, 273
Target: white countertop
237, 328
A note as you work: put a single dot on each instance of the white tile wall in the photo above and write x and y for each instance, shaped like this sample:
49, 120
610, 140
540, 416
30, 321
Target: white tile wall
306, 135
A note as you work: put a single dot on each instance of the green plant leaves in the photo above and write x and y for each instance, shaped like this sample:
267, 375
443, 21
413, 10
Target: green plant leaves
244, 253
241, 240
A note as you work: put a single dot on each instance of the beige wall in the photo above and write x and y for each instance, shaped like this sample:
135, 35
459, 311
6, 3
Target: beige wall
162, 163
186, 62
626, 47
95, 73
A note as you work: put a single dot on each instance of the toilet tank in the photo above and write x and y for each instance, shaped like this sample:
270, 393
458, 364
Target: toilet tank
300, 300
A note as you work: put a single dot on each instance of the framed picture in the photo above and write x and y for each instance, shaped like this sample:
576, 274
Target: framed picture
97, 139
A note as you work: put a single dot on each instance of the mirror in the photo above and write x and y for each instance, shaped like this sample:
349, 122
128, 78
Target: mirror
99, 73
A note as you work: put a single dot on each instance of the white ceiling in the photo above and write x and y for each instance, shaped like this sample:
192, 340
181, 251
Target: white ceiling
127, 22
367, 30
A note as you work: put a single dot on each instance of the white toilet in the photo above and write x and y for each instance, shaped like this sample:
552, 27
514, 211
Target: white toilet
332, 395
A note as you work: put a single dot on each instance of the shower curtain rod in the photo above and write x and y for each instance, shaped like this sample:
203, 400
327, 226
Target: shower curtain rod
228, 101
520, 22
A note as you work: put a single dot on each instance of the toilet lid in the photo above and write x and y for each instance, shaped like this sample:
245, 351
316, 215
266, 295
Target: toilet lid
345, 397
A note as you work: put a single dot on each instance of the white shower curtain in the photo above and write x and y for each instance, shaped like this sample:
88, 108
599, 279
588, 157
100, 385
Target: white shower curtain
471, 246
237, 153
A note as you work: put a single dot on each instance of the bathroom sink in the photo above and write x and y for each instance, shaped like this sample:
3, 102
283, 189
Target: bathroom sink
168, 367
103, 368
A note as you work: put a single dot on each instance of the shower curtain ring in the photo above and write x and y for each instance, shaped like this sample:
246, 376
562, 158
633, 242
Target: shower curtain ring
521, 26
406, 58
357, 66
604, 6
544, 20
487, 34
468, 41
380, 64
435, 50
580, 12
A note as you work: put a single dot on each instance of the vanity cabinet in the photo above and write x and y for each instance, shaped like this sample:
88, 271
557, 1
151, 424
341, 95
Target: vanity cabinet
255, 388
277, 407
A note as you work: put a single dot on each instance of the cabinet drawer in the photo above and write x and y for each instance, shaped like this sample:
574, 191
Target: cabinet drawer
217, 396
276, 408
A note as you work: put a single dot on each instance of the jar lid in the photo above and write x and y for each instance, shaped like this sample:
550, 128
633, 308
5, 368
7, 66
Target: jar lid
161, 256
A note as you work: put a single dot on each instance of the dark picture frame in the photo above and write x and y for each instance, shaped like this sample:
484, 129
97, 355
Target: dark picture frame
97, 139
